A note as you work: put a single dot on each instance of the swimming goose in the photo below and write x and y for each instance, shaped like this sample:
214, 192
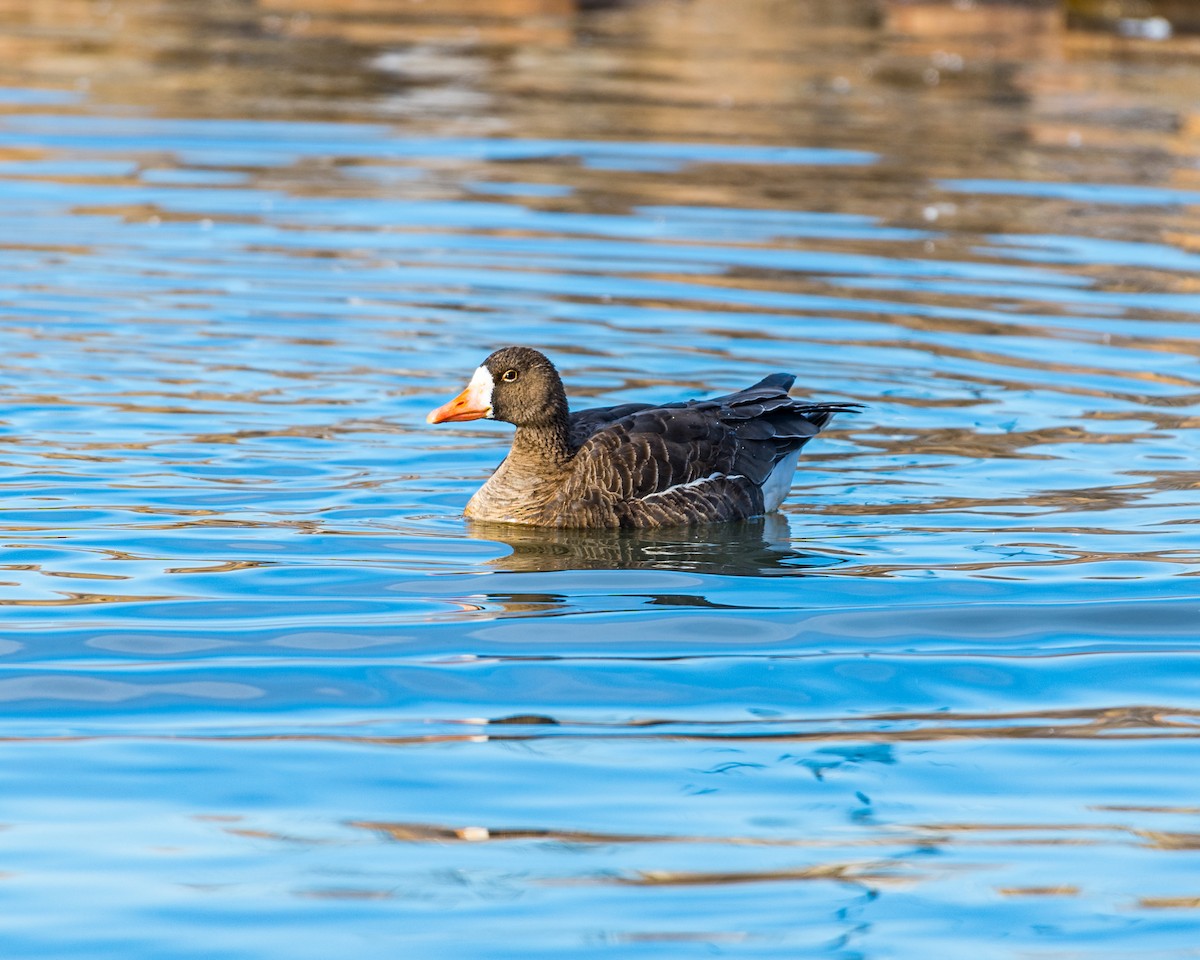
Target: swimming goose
636, 464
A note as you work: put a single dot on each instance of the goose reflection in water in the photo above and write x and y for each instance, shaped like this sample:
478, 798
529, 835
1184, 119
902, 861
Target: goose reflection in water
761, 547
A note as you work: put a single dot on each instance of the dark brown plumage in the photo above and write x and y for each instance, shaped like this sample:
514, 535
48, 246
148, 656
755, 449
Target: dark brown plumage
633, 465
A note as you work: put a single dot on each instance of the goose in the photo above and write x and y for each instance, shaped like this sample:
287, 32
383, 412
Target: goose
635, 465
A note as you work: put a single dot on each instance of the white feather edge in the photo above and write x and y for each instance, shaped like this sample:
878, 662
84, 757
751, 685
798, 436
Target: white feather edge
693, 483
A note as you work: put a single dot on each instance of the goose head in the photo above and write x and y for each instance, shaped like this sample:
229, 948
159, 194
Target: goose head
515, 384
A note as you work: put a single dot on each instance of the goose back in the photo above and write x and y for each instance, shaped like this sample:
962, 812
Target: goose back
696, 461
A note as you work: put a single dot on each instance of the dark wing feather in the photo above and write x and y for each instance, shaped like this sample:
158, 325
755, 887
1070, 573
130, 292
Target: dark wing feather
584, 423
770, 387
686, 462
651, 450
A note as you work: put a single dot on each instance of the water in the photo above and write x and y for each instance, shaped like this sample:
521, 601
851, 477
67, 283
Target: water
266, 694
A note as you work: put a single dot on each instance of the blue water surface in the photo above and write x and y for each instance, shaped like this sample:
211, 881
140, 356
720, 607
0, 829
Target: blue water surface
266, 694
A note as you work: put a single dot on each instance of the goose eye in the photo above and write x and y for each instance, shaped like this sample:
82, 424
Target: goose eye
508, 376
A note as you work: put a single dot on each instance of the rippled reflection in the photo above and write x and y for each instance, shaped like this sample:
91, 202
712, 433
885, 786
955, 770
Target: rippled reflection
753, 548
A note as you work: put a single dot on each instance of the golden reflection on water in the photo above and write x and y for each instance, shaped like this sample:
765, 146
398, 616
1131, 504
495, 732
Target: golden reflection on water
1063, 890
869, 873
433, 62
891, 834
85, 599
1170, 903
1108, 723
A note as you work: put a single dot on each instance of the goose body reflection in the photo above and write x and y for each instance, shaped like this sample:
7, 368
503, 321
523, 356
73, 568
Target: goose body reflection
635, 465
760, 547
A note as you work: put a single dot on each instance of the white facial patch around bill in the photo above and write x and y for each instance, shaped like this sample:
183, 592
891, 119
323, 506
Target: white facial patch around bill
479, 391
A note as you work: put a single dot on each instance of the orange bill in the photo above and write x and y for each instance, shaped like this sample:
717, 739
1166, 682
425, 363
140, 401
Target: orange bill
474, 403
